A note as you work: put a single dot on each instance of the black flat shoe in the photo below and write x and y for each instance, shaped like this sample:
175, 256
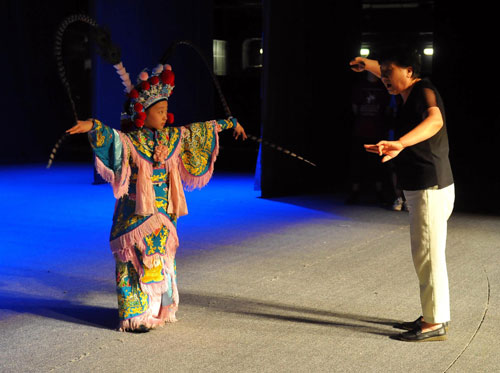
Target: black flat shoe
416, 335
410, 325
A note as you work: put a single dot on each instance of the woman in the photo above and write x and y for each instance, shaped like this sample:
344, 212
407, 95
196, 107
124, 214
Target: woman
424, 174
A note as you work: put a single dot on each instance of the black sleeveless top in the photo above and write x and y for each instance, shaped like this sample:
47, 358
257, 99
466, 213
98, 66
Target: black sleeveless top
425, 164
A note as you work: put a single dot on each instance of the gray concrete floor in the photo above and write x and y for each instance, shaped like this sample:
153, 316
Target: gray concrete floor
316, 295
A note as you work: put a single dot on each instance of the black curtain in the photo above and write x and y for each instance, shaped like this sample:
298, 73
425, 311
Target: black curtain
306, 84
36, 110
464, 70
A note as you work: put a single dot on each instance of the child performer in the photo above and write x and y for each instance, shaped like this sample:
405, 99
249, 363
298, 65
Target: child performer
147, 165
424, 174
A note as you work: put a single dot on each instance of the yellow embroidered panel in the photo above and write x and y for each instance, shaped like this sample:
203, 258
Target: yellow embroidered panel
132, 301
197, 147
156, 242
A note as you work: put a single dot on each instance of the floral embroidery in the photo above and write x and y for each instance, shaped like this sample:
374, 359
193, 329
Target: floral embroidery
156, 242
125, 219
162, 203
132, 301
197, 148
161, 153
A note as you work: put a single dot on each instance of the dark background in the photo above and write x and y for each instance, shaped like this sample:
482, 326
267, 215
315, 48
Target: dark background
298, 99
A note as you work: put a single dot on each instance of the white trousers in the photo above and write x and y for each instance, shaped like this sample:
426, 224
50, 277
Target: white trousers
429, 212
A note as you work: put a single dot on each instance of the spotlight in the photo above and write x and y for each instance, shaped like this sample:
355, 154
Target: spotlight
428, 51
364, 52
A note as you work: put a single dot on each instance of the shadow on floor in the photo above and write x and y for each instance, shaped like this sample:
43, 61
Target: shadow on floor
288, 313
107, 318
63, 310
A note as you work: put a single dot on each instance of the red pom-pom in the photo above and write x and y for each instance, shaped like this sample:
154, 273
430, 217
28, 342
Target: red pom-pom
154, 80
145, 86
170, 118
167, 77
133, 94
163, 77
138, 107
141, 115
139, 123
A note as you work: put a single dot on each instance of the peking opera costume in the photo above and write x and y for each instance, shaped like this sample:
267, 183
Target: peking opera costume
148, 171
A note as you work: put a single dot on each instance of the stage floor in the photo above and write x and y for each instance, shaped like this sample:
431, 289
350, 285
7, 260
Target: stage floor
301, 283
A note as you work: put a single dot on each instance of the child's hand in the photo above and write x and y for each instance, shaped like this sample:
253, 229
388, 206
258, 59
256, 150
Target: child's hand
239, 131
82, 126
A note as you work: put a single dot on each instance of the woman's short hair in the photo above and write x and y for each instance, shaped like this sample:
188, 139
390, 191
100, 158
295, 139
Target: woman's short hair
402, 57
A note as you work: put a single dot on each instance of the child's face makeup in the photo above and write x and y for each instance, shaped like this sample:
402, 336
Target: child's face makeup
156, 115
